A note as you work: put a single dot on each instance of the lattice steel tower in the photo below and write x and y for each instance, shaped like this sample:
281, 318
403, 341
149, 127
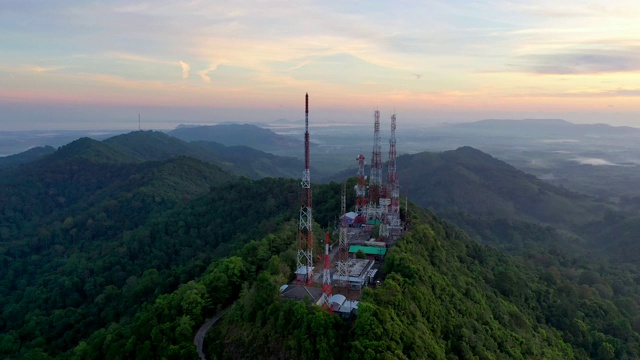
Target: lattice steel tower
361, 193
375, 178
305, 234
393, 185
326, 275
342, 265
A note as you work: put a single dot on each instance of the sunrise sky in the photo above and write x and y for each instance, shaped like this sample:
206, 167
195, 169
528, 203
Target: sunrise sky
96, 64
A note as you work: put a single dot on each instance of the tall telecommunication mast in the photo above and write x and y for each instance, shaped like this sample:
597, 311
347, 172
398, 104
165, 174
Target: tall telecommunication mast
375, 179
305, 235
326, 276
361, 193
342, 265
392, 179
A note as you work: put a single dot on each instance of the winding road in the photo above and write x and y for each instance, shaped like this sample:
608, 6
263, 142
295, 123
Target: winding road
202, 332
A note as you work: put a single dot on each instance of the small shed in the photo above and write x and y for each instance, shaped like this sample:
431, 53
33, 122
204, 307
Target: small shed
350, 217
348, 309
301, 293
357, 273
336, 301
301, 273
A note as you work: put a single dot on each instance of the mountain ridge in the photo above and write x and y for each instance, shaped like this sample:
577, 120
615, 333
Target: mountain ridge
140, 146
25, 157
236, 134
544, 127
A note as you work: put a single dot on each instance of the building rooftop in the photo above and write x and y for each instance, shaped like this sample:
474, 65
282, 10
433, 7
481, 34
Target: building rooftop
348, 306
301, 292
368, 250
358, 270
302, 270
340, 304
359, 267
351, 215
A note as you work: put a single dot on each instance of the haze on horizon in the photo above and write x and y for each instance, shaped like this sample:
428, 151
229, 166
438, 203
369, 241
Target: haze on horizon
77, 64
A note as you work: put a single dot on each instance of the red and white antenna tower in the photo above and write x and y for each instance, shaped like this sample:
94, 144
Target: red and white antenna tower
361, 193
375, 179
305, 235
392, 179
342, 265
326, 275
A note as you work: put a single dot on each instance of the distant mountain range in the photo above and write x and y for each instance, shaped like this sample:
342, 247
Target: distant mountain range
14, 142
235, 135
139, 146
542, 127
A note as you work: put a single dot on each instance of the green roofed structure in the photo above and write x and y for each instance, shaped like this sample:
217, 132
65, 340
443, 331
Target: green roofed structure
368, 250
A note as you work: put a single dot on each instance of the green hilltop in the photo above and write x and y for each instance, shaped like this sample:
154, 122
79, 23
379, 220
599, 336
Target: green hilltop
444, 297
473, 182
507, 208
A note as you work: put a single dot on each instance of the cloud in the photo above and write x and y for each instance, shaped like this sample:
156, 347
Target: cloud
28, 68
588, 62
593, 161
185, 69
135, 58
601, 57
578, 9
620, 92
43, 69
626, 92
122, 82
204, 74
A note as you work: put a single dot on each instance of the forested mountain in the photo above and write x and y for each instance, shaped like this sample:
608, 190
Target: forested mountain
473, 182
106, 254
25, 157
88, 172
76, 225
89, 150
470, 181
141, 146
152, 145
507, 208
444, 297
87, 236
618, 236
247, 161
238, 160
236, 134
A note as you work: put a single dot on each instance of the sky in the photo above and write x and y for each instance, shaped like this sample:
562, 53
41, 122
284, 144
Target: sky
80, 64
